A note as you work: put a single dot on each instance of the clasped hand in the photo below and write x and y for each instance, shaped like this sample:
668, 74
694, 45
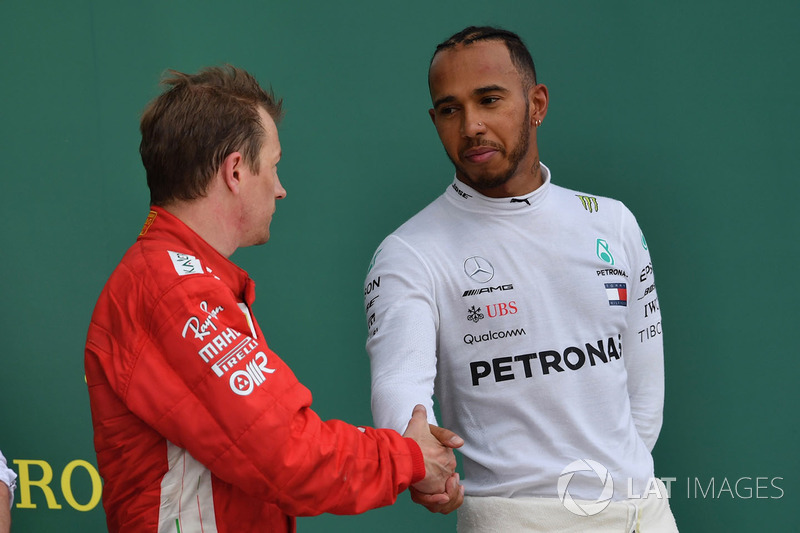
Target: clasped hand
440, 490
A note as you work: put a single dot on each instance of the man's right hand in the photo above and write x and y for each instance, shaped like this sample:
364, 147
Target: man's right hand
440, 462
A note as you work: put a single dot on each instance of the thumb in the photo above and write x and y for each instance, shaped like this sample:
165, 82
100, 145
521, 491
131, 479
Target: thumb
446, 437
419, 419
418, 425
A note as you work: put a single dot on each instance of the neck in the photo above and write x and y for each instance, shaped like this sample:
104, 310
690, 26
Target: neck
526, 179
208, 220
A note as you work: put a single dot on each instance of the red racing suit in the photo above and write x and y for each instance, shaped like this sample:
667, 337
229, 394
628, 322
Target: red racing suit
198, 425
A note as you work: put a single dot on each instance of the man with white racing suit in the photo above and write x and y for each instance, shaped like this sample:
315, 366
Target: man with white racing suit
8, 482
198, 425
528, 310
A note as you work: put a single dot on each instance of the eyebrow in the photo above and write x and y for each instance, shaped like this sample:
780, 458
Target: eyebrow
477, 92
489, 89
443, 100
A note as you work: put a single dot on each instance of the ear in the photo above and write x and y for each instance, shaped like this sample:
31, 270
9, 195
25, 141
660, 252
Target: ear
538, 99
432, 113
230, 170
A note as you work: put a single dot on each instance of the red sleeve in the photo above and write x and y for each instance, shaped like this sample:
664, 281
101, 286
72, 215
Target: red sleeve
207, 385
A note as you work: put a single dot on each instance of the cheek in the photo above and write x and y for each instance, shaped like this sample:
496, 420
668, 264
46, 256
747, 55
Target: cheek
449, 136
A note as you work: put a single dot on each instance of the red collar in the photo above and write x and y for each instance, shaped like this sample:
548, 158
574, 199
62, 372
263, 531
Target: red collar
164, 227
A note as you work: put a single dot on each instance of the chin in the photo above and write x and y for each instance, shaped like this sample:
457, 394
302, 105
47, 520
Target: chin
259, 240
486, 181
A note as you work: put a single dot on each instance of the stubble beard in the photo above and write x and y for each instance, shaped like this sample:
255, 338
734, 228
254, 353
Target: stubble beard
486, 180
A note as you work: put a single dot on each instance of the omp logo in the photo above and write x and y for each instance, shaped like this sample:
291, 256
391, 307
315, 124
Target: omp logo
589, 203
478, 269
243, 382
585, 508
486, 290
185, 264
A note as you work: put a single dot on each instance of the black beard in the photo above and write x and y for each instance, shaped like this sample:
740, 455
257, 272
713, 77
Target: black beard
485, 181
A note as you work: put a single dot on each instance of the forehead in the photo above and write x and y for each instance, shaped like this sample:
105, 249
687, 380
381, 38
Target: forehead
479, 64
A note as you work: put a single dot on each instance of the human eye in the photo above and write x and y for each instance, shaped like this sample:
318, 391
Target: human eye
489, 100
447, 110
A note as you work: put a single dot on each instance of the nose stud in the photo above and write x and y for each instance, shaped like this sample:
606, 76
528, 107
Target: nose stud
480, 123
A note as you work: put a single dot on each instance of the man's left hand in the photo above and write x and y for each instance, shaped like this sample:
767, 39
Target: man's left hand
445, 502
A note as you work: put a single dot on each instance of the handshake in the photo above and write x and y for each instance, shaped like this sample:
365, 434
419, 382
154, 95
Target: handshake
440, 491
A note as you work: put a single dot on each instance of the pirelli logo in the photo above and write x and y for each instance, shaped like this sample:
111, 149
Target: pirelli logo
589, 203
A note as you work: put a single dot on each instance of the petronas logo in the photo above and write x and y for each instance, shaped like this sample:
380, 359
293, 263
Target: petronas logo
589, 203
374, 258
604, 253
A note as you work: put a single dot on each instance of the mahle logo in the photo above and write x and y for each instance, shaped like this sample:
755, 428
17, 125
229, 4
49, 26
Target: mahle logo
585, 508
603, 252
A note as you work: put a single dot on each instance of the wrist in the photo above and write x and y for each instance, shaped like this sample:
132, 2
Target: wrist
417, 461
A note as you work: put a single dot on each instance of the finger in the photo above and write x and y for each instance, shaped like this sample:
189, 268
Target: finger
452, 483
446, 437
429, 499
419, 412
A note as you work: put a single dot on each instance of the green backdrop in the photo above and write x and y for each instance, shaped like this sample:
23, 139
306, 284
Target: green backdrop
685, 110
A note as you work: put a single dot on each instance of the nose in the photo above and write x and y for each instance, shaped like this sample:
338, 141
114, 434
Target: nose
471, 124
280, 192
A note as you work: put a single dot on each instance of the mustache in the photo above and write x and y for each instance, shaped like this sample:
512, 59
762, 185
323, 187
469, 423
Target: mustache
484, 142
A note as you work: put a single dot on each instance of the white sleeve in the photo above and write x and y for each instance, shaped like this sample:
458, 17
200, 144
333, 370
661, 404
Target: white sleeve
8, 477
643, 348
402, 321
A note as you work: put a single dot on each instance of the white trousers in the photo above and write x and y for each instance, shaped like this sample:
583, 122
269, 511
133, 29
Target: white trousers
548, 515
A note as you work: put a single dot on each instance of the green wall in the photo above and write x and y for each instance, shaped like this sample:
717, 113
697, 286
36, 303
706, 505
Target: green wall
686, 111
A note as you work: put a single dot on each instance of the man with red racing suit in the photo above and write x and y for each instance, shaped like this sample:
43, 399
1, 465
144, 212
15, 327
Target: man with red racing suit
198, 425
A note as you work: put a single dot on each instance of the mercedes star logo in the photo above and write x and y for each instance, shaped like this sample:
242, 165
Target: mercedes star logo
479, 269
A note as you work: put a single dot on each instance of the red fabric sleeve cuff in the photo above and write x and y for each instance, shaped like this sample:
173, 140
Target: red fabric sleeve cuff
417, 461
